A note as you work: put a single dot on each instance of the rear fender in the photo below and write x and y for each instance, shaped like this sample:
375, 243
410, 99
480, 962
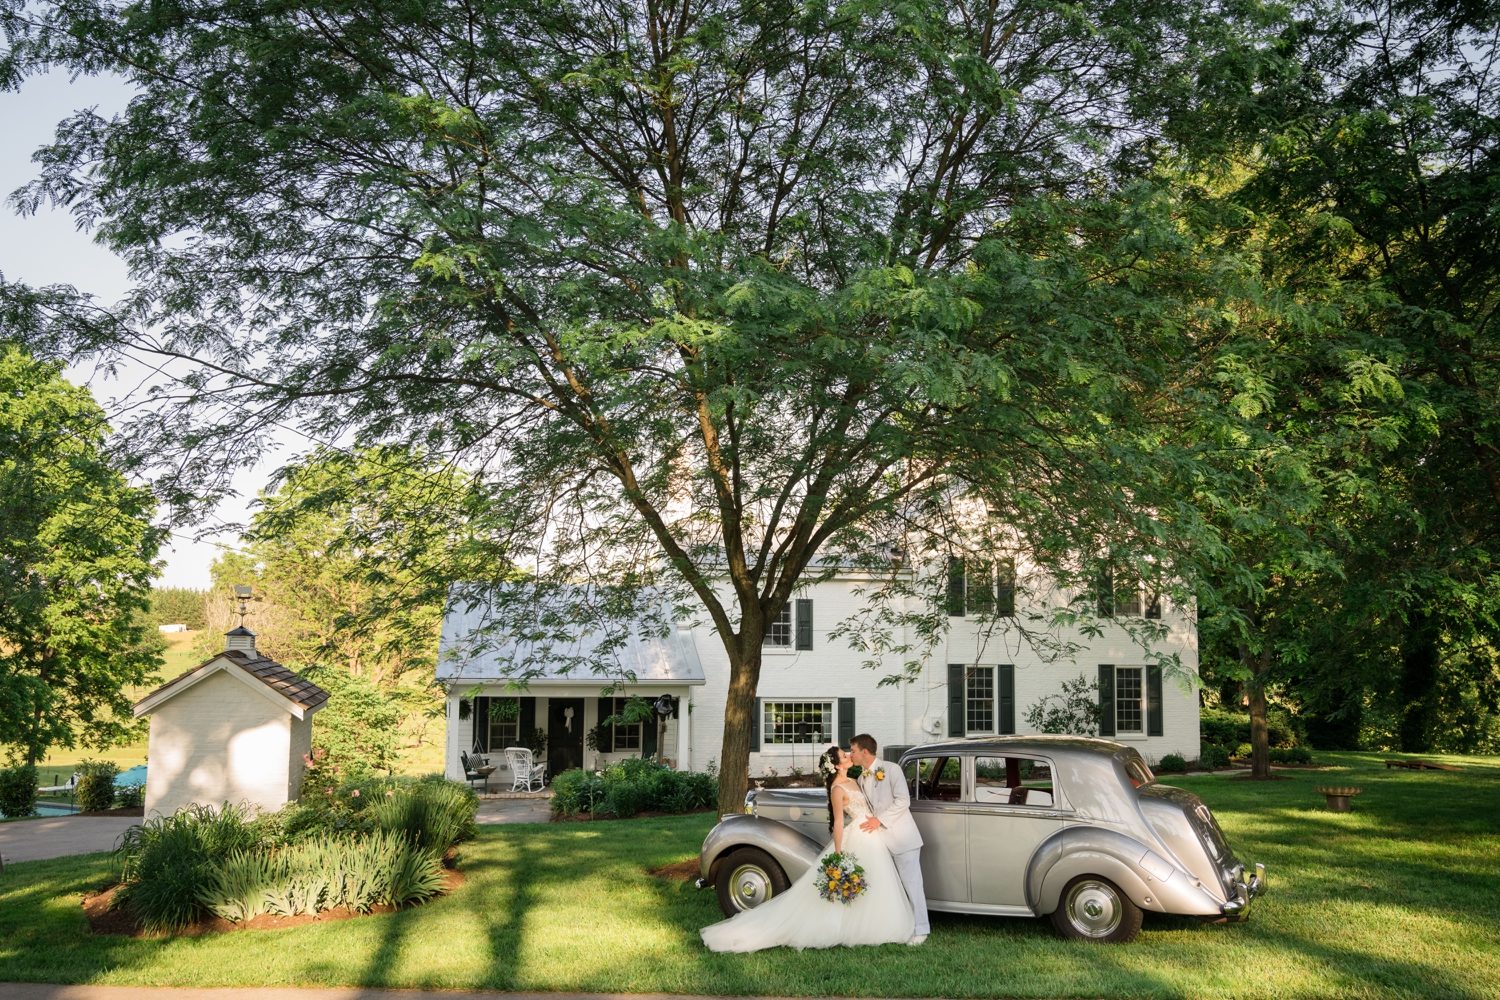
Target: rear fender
795, 852
1093, 851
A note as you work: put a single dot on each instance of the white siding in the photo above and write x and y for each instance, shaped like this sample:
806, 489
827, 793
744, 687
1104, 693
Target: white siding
220, 741
894, 715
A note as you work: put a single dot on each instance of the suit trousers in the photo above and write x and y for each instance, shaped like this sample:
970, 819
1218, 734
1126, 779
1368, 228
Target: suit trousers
909, 867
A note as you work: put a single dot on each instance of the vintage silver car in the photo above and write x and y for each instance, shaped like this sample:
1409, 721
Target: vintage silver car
1021, 826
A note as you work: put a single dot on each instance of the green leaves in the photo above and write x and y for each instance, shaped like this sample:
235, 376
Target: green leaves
77, 551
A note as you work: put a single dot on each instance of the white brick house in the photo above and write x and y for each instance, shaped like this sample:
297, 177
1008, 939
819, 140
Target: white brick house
814, 690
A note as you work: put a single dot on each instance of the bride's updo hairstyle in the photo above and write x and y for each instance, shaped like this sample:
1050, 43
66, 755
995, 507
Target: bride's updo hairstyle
828, 767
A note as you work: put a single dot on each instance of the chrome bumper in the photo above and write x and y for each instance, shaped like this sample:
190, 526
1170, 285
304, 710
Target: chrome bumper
1238, 908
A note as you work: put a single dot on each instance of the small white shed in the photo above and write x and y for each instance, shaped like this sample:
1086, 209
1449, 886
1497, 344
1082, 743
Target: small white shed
234, 729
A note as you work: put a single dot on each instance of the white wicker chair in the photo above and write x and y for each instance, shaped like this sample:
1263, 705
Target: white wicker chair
524, 771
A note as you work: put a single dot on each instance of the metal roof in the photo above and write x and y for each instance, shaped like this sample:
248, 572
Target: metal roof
470, 650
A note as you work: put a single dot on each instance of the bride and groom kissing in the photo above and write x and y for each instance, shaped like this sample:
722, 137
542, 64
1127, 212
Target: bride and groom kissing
870, 819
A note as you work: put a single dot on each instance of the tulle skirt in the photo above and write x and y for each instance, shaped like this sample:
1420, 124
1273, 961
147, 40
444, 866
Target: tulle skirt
801, 918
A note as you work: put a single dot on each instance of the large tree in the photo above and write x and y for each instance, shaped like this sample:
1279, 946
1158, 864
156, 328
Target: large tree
77, 551
1374, 145
703, 289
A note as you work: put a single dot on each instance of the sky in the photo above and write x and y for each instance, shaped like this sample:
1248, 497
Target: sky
48, 249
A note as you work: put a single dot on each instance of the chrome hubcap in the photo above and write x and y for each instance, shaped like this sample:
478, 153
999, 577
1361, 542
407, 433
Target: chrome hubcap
751, 887
1093, 909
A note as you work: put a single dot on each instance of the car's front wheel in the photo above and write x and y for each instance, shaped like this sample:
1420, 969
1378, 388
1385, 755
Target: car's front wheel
1094, 909
747, 878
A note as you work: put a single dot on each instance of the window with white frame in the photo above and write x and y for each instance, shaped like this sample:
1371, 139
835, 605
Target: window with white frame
979, 700
786, 723
779, 634
1128, 714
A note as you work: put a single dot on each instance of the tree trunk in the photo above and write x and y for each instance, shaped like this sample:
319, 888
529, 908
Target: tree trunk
1419, 663
739, 724
1260, 733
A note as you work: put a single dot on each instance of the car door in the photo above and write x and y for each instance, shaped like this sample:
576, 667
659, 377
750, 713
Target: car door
1014, 808
936, 786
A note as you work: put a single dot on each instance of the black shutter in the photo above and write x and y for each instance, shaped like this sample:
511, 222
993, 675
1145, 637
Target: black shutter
804, 623
1007, 699
606, 733
1105, 594
648, 738
526, 722
955, 699
955, 587
1106, 699
755, 728
482, 725
846, 721
1153, 700
1005, 588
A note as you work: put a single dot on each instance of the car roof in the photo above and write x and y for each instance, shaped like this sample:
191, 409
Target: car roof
1007, 745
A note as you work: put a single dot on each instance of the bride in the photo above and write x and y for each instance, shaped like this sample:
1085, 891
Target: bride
800, 917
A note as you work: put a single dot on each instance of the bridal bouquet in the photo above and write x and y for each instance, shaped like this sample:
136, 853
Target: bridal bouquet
840, 878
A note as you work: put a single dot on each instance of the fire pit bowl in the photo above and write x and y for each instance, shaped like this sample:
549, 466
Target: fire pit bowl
1338, 797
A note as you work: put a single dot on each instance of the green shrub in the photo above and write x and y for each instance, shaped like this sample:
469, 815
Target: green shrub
1212, 755
1243, 751
434, 815
237, 888
632, 786
18, 791
1291, 755
1172, 763
577, 791
168, 862
130, 796
358, 729
96, 785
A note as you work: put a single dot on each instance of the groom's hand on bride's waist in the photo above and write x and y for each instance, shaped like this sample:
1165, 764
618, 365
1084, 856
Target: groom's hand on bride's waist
870, 824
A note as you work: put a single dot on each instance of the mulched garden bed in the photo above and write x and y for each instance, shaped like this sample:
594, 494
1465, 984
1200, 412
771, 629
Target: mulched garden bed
123, 923
120, 811
682, 871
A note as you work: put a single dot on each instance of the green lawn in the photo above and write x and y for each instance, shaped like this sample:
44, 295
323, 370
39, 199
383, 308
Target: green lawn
1399, 898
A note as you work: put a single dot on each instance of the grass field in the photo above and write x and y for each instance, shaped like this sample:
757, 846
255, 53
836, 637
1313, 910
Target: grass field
1400, 898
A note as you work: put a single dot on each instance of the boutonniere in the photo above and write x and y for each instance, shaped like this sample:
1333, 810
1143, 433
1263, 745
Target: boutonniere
879, 773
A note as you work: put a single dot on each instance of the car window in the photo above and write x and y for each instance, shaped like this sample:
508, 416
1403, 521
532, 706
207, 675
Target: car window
935, 779
1014, 781
1138, 772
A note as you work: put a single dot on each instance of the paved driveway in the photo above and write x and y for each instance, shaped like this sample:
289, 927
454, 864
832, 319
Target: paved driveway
60, 836
537, 810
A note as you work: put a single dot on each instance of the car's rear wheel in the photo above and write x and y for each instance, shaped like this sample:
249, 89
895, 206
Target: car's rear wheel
1092, 908
747, 878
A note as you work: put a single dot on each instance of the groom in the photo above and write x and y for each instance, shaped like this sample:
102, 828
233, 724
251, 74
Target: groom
890, 802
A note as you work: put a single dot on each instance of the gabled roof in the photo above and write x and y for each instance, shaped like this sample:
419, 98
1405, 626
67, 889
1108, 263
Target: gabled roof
299, 696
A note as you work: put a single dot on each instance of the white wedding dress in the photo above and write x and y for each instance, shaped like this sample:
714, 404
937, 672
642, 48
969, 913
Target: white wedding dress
800, 918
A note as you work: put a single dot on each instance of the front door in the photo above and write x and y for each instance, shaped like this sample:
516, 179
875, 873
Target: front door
564, 735
1014, 809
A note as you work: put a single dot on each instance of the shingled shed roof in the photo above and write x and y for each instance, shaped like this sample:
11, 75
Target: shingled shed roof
299, 695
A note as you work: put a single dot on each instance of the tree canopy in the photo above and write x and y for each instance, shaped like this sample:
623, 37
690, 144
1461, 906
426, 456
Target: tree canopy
706, 297
77, 551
